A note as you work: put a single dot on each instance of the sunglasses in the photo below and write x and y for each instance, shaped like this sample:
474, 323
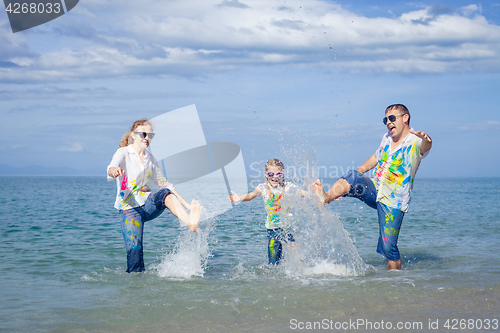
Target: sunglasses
392, 118
275, 174
144, 134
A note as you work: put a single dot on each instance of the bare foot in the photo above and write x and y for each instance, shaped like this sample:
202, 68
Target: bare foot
194, 216
319, 191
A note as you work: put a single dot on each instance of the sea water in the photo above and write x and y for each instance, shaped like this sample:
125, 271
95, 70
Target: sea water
63, 264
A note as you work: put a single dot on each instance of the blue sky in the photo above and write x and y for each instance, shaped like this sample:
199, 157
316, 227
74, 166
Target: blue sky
279, 78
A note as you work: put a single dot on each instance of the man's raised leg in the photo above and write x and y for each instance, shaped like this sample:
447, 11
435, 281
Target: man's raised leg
338, 190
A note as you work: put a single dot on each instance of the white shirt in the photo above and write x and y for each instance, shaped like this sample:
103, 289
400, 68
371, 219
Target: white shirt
272, 202
396, 169
132, 187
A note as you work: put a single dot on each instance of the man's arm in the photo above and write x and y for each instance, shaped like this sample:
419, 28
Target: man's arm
426, 143
370, 163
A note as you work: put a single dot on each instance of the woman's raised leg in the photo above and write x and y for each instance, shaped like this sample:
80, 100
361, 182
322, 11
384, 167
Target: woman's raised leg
192, 219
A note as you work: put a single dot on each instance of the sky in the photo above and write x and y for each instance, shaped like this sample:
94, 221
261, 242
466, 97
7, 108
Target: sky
297, 80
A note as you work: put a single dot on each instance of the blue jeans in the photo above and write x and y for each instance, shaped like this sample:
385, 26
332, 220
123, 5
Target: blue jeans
274, 246
132, 225
389, 219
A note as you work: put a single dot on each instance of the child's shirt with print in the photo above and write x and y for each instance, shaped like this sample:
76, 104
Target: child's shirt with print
273, 200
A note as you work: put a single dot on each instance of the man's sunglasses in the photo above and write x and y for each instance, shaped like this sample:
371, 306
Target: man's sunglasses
392, 118
274, 174
144, 134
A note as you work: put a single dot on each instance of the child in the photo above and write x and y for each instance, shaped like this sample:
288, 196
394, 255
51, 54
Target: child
272, 192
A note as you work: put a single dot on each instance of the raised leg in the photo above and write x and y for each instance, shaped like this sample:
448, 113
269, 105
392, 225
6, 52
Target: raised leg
338, 190
192, 219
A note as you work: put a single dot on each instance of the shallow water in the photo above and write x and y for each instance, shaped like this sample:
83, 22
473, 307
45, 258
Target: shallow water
64, 263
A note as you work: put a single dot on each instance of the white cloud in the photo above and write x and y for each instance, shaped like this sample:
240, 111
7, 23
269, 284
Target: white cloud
75, 148
150, 38
486, 125
232, 3
471, 9
53, 92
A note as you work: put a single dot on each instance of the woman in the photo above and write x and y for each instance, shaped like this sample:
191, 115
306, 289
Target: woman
133, 167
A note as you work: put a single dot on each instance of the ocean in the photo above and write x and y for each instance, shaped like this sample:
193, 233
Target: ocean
63, 265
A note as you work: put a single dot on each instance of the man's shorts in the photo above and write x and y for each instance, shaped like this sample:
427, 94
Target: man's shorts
389, 219
275, 237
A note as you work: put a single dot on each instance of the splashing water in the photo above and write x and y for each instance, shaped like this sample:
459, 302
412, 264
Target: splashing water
322, 245
189, 256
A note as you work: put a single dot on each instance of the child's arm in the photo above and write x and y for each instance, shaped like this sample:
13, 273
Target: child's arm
245, 197
303, 193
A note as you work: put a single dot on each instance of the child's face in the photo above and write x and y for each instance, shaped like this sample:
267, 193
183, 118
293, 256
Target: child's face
276, 178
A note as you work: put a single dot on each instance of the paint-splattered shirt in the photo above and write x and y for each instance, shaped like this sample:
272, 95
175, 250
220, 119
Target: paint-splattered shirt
273, 203
132, 187
395, 171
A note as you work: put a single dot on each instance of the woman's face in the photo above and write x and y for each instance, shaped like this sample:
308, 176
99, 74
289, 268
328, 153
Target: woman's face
141, 139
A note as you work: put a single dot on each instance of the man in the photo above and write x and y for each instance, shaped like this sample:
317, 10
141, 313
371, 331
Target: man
389, 190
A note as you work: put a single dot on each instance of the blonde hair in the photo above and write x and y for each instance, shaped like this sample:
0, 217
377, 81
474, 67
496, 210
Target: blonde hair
275, 162
126, 139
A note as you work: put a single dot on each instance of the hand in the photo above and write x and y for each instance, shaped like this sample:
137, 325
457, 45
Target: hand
115, 172
422, 135
426, 143
235, 197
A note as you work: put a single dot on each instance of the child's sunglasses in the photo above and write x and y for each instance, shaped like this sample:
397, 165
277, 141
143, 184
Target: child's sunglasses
144, 134
392, 118
275, 174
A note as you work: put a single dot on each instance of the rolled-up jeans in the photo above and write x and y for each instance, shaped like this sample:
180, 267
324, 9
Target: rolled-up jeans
132, 225
389, 219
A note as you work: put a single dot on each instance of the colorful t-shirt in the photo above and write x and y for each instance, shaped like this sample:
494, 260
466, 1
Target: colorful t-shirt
132, 187
395, 171
272, 202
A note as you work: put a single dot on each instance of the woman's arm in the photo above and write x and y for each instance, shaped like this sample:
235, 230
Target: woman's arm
114, 169
159, 179
114, 172
162, 182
